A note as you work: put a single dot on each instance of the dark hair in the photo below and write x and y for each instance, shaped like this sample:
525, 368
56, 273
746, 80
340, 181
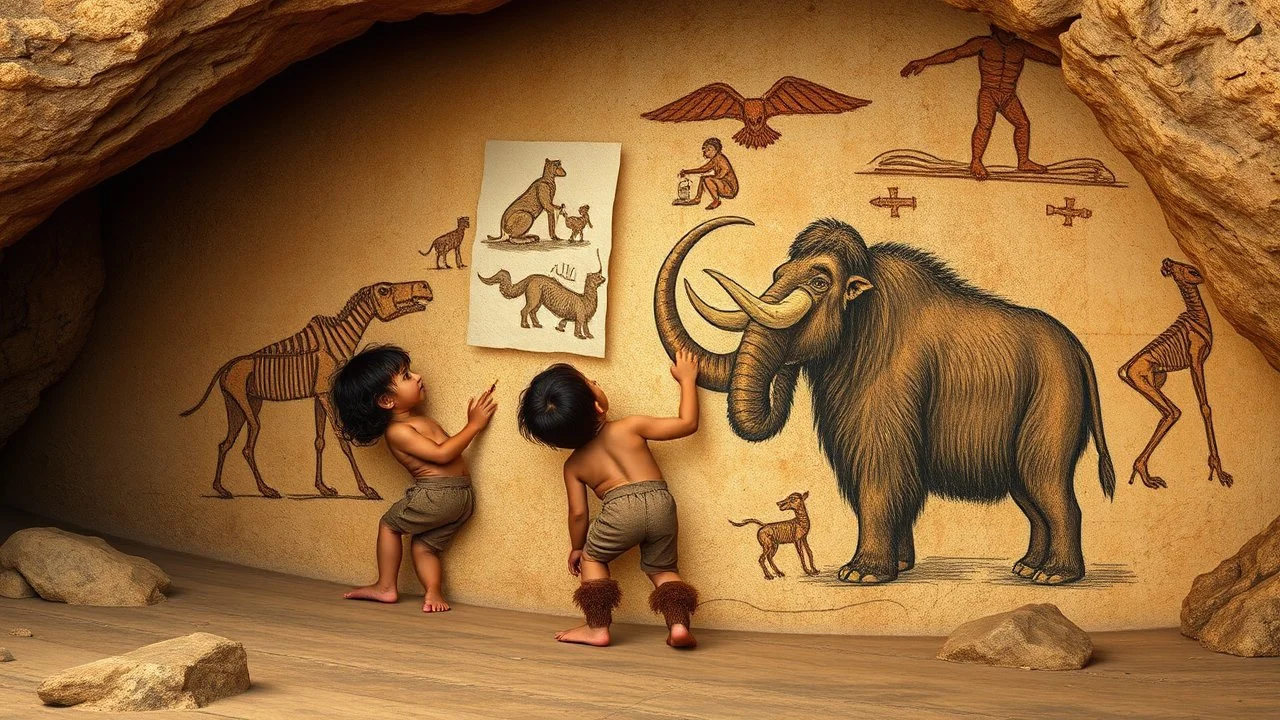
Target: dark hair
715, 143
356, 387
558, 408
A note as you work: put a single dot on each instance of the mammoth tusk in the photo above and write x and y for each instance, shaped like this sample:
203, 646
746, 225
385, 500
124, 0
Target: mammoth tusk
775, 316
733, 320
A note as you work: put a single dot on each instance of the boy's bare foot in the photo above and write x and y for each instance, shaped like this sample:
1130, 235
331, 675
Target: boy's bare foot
680, 637
585, 635
374, 593
434, 603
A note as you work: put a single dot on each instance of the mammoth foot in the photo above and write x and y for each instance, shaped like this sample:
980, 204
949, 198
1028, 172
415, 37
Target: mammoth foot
905, 565
1023, 569
1056, 575
862, 573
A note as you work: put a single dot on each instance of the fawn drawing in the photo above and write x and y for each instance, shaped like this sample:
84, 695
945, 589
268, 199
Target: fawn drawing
450, 241
795, 530
576, 224
543, 290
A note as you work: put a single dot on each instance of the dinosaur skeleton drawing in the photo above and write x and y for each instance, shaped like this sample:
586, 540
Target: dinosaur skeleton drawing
299, 367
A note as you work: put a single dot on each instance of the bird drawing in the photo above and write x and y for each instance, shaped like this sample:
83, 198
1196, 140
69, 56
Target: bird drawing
788, 96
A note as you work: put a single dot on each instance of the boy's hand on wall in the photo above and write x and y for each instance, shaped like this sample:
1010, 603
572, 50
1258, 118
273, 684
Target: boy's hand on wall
575, 562
481, 409
685, 368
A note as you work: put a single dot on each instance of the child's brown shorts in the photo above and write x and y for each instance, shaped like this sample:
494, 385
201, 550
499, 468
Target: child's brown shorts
639, 513
432, 510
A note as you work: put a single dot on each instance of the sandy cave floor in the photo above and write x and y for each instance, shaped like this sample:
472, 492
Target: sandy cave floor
314, 655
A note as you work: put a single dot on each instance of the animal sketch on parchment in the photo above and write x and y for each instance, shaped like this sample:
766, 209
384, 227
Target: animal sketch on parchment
449, 242
788, 96
895, 346
566, 271
794, 531
299, 367
545, 291
1184, 345
577, 223
538, 198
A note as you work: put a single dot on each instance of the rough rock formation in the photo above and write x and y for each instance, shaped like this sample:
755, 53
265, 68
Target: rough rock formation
180, 674
1187, 90
20, 632
1036, 637
5, 655
49, 283
80, 570
14, 586
1235, 608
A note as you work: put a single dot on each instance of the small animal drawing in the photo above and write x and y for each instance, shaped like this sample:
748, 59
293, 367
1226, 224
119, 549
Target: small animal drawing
788, 96
299, 367
543, 290
566, 271
795, 530
537, 199
1185, 344
451, 240
576, 224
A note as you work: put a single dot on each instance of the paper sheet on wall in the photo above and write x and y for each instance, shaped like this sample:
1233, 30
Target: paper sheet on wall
544, 231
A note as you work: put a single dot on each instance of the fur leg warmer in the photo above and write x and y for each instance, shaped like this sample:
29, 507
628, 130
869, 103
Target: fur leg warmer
675, 600
597, 599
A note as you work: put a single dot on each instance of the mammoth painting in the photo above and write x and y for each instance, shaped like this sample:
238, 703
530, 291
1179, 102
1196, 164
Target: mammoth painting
921, 384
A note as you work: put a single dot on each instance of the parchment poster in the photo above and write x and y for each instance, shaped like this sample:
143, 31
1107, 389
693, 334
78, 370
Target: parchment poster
544, 230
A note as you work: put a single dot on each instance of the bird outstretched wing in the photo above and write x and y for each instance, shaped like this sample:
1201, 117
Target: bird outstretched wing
711, 102
797, 96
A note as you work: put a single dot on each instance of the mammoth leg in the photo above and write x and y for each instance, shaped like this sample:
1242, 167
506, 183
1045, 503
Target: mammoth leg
879, 517
1038, 547
1051, 490
906, 547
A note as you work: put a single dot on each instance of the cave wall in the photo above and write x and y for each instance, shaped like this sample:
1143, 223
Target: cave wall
341, 170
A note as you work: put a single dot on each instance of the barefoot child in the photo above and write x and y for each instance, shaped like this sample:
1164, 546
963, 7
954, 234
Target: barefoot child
377, 395
564, 409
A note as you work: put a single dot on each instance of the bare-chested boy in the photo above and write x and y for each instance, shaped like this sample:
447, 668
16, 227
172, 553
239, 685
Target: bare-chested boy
719, 180
377, 395
564, 409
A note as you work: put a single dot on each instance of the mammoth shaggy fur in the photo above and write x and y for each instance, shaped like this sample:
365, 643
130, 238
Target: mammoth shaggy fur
921, 384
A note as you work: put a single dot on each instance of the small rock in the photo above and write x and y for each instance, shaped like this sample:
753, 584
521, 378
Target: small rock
5, 655
1034, 637
13, 585
1235, 608
20, 632
184, 673
81, 570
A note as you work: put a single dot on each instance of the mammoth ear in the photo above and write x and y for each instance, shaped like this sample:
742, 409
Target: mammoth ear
855, 287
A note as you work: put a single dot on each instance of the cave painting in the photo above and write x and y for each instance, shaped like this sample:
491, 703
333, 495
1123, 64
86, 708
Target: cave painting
784, 532
1001, 56
894, 203
540, 197
1068, 211
449, 242
717, 178
1184, 345
299, 367
545, 291
788, 96
896, 347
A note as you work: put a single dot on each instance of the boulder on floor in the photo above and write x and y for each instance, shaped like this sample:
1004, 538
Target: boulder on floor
81, 570
1235, 608
1036, 637
5, 655
14, 586
180, 674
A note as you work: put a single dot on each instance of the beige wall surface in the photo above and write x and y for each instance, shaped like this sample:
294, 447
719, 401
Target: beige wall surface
336, 174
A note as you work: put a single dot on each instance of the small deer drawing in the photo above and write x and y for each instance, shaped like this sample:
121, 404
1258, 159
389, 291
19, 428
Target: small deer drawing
795, 530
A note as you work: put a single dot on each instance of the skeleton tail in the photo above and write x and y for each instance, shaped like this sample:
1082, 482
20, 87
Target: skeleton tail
216, 376
503, 280
746, 522
1106, 472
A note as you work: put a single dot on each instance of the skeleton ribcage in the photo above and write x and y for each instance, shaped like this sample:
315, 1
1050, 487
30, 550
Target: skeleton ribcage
284, 377
1171, 350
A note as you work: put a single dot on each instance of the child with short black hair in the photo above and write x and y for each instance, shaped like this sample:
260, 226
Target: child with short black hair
563, 409
376, 395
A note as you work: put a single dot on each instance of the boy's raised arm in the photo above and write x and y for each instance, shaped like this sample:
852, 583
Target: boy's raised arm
685, 371
410, 441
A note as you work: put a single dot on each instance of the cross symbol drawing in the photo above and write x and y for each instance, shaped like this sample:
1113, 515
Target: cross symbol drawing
893, 202
1069, 212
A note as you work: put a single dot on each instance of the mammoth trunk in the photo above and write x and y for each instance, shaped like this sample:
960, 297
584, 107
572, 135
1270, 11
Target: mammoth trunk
761, 387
